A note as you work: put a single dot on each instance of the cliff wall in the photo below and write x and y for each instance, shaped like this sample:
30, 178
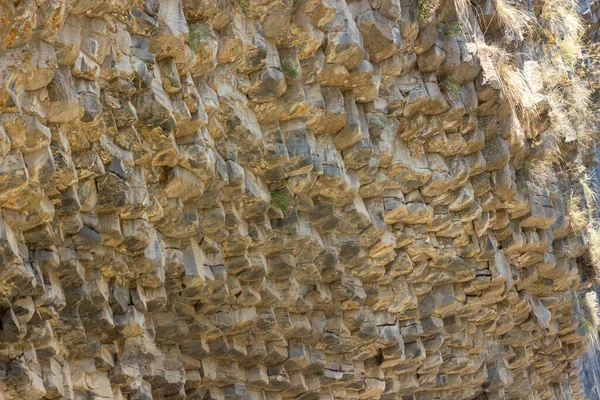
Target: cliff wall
277, 199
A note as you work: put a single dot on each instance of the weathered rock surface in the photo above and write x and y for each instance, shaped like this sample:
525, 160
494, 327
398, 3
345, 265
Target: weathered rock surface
271, 200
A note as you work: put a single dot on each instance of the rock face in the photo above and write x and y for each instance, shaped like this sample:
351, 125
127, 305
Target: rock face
259, 199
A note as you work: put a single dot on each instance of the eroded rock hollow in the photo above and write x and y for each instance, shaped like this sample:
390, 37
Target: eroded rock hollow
277, 199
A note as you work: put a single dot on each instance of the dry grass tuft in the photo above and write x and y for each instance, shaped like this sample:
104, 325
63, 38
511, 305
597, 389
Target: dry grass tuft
517, 91
578, 109
513, 82
591, 308
536, 175
552, 74
561, 16
579, 217
590, 193
593, 235
462, 11
560, 124
569, 49
572, 112
590, 317
514, 18
564, 26
591, 262
582, 208
581, 111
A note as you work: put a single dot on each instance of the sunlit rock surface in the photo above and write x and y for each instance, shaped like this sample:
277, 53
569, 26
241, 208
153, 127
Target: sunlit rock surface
273, 200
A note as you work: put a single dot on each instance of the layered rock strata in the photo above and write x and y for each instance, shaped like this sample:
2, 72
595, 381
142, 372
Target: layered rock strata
260, 199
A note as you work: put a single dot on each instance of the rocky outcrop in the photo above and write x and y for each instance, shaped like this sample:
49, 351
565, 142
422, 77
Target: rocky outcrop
277, 199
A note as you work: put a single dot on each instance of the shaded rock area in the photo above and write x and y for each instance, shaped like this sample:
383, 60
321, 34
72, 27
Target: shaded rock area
590, 371
275, 199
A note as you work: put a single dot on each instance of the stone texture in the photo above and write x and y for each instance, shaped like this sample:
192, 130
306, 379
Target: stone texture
271, 200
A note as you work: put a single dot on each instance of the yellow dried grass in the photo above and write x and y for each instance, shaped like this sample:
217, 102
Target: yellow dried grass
591, 319
514, 18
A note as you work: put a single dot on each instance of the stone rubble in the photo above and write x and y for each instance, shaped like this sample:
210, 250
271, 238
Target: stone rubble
273, 199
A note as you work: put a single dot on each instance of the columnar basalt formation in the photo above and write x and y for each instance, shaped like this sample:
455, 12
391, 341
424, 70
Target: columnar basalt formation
277, 199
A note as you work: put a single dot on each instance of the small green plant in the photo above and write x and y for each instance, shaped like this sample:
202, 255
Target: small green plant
243, 6
425, 10
199, 35
539, 283
280, 200
289, 69
451, 84
453, 28
504, 303
522, 178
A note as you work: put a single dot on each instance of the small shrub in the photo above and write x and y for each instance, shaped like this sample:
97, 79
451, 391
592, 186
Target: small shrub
289, 69
280, 200
425, 10
452, 85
